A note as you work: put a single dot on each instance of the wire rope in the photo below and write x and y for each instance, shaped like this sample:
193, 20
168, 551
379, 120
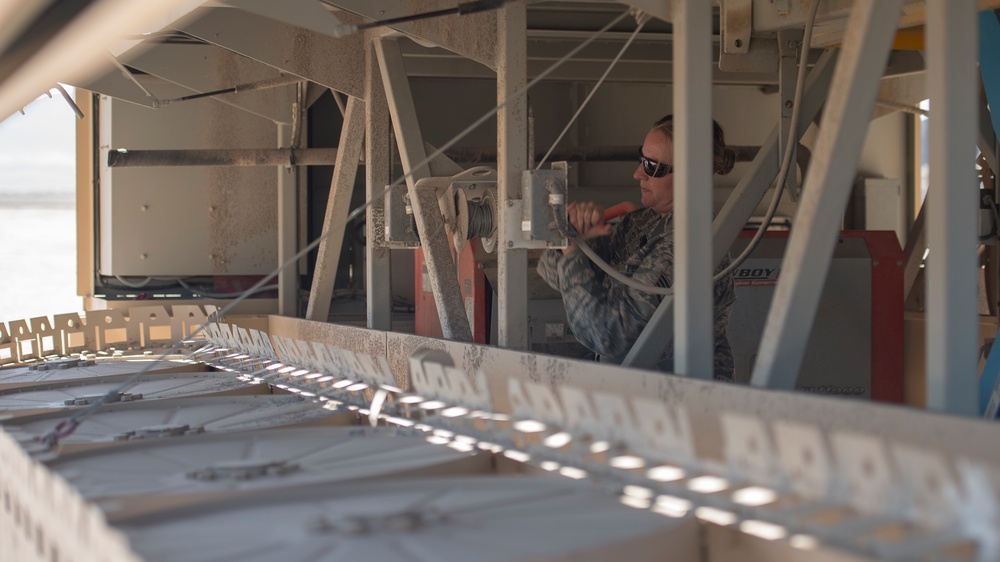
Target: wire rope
800, 82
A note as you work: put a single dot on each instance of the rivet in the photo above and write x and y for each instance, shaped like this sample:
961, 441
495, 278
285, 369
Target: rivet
143, 256
144, 208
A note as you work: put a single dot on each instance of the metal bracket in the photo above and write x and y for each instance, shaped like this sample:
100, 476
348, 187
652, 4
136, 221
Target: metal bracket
737, 18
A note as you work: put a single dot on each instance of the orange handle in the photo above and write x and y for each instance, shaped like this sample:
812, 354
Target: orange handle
619, 210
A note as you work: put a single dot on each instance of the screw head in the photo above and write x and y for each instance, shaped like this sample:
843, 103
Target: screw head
789, 104
510, 244
739, 43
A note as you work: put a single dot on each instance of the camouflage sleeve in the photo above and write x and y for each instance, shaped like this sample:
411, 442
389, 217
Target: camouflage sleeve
607, 316
724, 296
548, 263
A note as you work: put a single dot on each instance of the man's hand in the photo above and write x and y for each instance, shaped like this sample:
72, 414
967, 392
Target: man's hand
588, 220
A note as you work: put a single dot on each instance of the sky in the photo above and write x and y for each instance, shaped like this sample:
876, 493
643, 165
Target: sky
37, 211
37, 157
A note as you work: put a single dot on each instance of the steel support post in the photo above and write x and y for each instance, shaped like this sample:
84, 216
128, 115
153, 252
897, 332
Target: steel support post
512, 159
870, 31
736, 212
952, 272
433, 239
693, 323
288, 278
352, 138
378, 287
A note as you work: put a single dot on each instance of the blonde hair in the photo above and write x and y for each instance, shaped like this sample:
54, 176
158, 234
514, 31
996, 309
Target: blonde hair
723, 157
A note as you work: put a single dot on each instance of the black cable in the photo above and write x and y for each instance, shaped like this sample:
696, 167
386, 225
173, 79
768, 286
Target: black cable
463, 8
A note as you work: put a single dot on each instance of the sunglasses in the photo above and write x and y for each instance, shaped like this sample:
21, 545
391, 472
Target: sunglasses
652, 168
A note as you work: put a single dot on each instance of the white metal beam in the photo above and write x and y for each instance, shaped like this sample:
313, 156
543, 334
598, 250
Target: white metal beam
870, 32
433, 239
288, 278
952, 273
352, 138
378, 288
512, 159
693, 323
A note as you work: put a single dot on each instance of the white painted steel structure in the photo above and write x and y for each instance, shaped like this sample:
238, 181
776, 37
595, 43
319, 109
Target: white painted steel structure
877, 465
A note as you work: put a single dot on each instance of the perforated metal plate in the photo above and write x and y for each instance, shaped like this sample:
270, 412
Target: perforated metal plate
171, 418
252, 460
146, 387
472, 519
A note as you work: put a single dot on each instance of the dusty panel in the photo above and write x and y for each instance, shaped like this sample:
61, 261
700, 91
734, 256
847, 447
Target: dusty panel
358, 340
205, 68
186, 221
470, 519
334, 63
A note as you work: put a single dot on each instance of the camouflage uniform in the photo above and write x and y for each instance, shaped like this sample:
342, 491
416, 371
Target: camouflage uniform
608, 316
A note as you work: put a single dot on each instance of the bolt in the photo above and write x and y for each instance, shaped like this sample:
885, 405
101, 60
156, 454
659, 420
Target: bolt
875, 262
510, 244
791, 44
481, 265
788, 104
739, 43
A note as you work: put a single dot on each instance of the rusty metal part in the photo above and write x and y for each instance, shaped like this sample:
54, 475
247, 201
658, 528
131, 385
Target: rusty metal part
124, 158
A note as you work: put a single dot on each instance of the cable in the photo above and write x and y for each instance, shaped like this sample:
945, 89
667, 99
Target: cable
220, 295
779, 187
137, 285
641, 21
463, 8
66, 427
654, 289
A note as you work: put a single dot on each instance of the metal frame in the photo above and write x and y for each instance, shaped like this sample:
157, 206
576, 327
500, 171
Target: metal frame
338, 206
512, 159
288, 214
377, 256
433, 239
952, 283
694, 322
830, 179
